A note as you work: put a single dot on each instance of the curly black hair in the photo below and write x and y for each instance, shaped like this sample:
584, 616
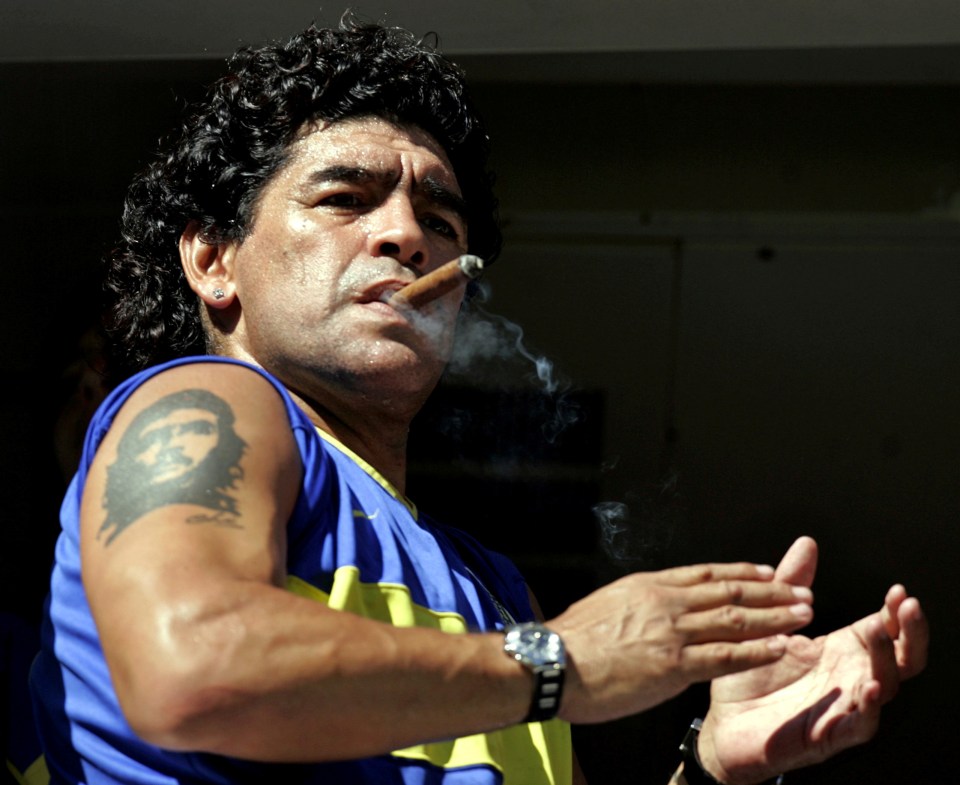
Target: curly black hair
231, 144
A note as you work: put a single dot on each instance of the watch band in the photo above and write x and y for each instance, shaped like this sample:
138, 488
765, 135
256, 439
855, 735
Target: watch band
693, 771
540, 650
547, 691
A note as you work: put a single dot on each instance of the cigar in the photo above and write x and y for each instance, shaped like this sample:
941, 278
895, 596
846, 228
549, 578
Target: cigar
444, 279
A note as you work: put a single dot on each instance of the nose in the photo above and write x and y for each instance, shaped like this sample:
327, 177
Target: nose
395, 231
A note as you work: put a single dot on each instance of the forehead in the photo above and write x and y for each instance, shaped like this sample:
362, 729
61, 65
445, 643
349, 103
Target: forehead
178, 416
374, 143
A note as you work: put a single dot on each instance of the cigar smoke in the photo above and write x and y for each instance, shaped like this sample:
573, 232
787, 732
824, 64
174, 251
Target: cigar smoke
490, 351
636, 531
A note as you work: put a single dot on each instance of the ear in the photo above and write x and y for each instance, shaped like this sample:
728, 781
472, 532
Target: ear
208, 267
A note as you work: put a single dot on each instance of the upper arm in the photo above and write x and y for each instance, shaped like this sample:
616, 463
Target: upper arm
185, 503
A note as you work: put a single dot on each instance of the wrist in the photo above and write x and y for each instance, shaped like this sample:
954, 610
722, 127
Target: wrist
700, 763
541, 651
704, 754
694, 772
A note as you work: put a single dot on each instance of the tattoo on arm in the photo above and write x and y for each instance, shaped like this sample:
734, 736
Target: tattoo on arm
183, 449
223, 520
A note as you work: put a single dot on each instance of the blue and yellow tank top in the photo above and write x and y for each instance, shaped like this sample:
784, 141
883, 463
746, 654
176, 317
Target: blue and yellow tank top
355, 544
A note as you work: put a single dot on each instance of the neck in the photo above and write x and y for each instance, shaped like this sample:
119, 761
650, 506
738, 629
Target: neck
371, 416
376, 435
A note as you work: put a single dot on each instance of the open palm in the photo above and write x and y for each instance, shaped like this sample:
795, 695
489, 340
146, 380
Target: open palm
822, 696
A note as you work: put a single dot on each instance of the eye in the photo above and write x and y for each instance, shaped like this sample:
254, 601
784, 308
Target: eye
441, 226
342, 199
202, 427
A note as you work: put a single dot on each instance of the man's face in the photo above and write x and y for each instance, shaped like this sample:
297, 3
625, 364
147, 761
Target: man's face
361, 208
177, 443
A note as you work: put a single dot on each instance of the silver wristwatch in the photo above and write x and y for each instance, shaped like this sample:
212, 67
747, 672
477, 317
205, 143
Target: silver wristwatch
541, 651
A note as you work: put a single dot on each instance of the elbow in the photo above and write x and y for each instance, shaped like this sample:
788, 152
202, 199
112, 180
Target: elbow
175, 713
181, 692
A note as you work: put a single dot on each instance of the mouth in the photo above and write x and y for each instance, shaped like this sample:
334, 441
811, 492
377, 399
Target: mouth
427, 331
380, 292
414, 295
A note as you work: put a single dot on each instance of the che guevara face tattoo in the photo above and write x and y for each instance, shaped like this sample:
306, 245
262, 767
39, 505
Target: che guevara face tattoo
183, 449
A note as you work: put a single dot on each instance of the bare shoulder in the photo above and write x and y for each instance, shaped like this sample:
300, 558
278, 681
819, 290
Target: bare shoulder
241, 386
234, 397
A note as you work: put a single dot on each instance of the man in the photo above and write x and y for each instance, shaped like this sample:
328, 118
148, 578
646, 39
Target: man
280, 611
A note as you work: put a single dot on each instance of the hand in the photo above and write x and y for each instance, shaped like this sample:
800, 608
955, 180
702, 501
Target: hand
648, 636
822, 696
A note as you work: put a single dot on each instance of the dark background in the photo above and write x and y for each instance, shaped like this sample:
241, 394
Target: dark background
750, 290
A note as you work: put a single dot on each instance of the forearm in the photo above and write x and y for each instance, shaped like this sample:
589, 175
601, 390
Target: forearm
271, 676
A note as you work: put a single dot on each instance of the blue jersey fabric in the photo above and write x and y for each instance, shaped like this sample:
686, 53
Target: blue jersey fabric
354, 543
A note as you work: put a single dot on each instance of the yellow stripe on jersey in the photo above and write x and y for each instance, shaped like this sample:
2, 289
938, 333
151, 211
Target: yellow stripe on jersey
382, 481
35, 774
532, 754
387, 602
522, 753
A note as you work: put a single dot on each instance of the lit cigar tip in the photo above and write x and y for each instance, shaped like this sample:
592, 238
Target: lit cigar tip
471, 265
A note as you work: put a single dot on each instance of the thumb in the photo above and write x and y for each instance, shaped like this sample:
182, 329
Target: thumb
799, 564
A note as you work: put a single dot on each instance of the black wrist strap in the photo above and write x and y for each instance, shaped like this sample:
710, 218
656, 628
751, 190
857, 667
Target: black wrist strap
693, 771
547, 692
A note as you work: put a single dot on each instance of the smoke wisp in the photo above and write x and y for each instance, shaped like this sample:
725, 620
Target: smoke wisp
636, 531
490, 351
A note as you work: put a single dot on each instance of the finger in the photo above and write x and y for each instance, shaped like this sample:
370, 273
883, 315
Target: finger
914, 641
712, 660
799, 564
858, 723
750, 594
707, 573
732, 623
891, 605
868, 697
883, 658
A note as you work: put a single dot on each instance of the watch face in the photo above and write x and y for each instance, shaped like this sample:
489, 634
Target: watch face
535, 644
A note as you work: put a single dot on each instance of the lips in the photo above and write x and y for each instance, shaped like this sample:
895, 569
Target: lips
380, 292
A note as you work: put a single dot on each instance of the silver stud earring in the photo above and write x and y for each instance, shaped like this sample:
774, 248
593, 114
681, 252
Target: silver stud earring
218, 294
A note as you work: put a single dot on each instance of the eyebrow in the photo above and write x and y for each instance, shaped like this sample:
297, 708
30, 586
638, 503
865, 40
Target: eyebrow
348, 174
435, 191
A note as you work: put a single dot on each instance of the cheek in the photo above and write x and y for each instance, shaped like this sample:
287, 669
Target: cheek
201, 446
149, 456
